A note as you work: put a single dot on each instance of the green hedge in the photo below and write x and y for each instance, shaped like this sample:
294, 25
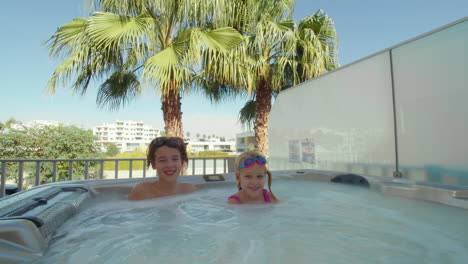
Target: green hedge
139, 154
124, 165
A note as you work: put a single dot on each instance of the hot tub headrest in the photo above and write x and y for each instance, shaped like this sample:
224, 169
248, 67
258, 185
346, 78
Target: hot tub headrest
36, 220
351, 179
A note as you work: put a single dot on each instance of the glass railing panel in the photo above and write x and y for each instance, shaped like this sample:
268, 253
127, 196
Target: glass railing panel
340, 121
431, 91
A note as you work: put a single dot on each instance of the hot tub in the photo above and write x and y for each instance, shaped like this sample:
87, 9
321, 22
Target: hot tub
317, 221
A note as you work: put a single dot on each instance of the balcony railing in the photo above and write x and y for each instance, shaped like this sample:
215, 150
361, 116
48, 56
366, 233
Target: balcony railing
26, 173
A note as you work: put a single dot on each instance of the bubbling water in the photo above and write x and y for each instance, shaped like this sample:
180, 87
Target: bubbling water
313, 223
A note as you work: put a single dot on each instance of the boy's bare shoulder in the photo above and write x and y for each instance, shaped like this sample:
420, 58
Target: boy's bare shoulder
187, 187
138, 191
142, 186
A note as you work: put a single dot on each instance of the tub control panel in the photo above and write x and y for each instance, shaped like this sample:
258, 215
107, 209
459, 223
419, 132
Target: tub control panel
213, 177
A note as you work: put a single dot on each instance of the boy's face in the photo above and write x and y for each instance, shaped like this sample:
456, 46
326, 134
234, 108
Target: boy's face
167, 163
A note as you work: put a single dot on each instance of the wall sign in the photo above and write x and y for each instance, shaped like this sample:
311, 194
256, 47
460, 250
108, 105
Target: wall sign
302, 150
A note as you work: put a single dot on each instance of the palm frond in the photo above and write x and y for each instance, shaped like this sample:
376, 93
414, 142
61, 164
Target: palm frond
213, 90
82, 80
318, 43
231, 68
111, 32
117, 91
247, 114
166, 69
220, 39
68, 37
124, 7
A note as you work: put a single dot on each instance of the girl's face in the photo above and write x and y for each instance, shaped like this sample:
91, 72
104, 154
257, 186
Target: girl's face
167, 163
251, 180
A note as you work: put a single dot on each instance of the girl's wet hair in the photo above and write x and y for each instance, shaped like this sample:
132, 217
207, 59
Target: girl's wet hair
172, 142
252, 154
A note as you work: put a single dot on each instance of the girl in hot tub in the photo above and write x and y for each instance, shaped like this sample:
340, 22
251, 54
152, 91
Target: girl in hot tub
167, 155
251, 170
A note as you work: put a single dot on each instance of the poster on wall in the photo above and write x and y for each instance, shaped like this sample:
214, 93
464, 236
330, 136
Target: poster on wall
308, 151
294, 151
302, 150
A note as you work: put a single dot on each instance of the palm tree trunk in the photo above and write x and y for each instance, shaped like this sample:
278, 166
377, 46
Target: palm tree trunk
262, 109
171, 107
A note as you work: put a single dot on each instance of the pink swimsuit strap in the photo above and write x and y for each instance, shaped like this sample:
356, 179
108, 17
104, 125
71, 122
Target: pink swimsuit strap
265, 196
235, 197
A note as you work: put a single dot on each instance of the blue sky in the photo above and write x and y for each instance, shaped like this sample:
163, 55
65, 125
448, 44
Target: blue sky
364, 27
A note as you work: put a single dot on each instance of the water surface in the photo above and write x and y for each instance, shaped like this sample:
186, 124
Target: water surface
314, 223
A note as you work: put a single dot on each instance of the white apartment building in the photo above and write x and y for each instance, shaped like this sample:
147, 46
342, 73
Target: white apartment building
228, 145
126, 135
245, 141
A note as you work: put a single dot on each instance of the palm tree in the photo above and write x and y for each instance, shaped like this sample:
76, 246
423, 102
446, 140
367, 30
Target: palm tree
129, 44
277, 53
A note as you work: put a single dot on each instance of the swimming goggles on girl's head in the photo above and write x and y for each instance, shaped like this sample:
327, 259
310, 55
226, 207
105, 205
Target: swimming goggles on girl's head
249, 162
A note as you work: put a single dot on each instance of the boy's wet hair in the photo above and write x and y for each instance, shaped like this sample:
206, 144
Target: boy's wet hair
172, 142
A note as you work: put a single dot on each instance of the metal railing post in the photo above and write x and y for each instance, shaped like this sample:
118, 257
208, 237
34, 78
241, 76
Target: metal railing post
193, 166
70, 170
86, 170
130, 168
54, 171
101, 170
144, 168
3, 183
225, 165
116, 169
204, 166
38, 170
20, 175
214, 165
